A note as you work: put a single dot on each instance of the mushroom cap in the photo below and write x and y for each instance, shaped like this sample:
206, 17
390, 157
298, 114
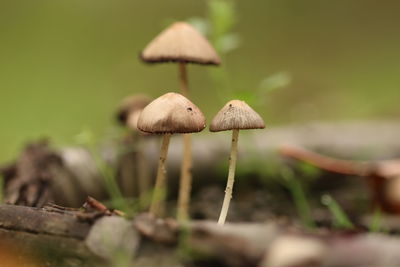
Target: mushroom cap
171, 113
180, 43
236, 114
130, 108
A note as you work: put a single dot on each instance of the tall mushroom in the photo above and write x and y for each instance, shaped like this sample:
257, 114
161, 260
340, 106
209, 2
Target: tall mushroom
235, 115
134, 162
170, 113
183, 44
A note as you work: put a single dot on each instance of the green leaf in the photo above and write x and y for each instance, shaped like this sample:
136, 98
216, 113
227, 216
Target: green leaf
228, 42
222, 16
85, 137
307, 170
275, 81
200, 24
247, 96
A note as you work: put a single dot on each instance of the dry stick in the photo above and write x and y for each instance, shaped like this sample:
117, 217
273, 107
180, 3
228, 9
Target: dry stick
186, 174
159, 189
231, 177
347, 167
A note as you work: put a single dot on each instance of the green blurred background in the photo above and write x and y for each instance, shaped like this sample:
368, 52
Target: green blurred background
66, 64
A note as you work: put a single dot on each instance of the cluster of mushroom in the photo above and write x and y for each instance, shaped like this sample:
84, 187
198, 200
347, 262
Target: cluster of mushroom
174, 113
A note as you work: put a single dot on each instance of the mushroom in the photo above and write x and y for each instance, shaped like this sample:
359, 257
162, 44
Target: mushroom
235, 115
128, 115
180, 43
129, 110
170, 113
183, 44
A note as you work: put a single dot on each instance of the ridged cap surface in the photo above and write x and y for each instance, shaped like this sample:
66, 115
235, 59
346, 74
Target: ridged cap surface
236, 114
171, 113
180, 43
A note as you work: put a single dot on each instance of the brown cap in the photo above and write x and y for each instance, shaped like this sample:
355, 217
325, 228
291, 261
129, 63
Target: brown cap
236, 114
130, 109
180, 43
171, 113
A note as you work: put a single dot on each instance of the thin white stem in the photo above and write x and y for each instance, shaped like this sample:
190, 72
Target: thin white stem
186, 169
231, 178
185, 180
159, 193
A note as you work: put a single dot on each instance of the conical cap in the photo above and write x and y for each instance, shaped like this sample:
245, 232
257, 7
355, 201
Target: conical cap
236, 114
181, 43
171, 113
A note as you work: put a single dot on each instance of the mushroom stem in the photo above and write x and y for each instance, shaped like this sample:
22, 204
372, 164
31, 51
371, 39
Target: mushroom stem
127, 171
231, 177
183, 79
186, 175
160, 188
142, 170
185, 180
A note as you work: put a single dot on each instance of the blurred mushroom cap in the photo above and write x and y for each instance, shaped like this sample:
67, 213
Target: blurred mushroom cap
133, 119
295, 251
180, 43
171, 113
130, 108
236, 114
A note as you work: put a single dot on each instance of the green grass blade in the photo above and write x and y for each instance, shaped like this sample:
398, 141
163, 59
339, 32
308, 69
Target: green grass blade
299, 197
340, 218
376, 223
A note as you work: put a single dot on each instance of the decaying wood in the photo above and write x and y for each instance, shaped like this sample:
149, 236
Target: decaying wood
39, 221
30, 183
40, 175
150, 241
69, 175
39, 231
350, 140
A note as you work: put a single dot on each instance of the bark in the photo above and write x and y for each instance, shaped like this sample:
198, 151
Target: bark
47, 236
63, 239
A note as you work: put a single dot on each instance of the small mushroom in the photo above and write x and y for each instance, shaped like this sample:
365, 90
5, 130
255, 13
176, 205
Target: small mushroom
235, 115
183, 44
128, 115
129, 110
170, 113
